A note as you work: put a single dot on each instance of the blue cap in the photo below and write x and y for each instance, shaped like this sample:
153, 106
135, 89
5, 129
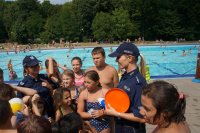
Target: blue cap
30, 60
126, 48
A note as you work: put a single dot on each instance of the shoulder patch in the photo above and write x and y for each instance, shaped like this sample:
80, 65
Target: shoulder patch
21, 83
137, 79
127, 88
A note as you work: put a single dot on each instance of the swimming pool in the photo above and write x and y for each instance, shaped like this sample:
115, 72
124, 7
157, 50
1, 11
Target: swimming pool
171, 64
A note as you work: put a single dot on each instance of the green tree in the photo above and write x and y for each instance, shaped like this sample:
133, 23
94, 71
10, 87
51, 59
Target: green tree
9, 16
47, 9
3, 33
70, 27
189, 13
102, 26
28, 22
123, 28
167, 27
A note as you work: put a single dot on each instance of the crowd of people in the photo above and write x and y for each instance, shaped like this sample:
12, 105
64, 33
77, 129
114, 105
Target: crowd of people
67, 101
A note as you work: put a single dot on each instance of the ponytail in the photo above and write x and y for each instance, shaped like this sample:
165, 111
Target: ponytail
180, 109
142, 66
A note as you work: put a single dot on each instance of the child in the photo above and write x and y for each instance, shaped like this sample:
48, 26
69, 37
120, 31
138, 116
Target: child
34, 124
68, 81
79, 74
12, 73
165, 107
62, 102
89, 99
6, 92
5, 115
71, 123
53, 72
36, 105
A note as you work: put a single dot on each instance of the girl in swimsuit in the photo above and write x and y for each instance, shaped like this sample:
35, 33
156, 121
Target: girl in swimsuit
88, 106
68, 80
79, 74
62, 102
165, 107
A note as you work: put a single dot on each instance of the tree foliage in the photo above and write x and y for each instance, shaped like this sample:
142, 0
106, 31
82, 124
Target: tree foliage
27, 21
102, 27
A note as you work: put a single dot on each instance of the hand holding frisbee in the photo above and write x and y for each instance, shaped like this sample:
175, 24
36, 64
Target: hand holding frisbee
117, 99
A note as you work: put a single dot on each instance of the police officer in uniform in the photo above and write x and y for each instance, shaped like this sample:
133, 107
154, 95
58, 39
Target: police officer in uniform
38, 82
131, 82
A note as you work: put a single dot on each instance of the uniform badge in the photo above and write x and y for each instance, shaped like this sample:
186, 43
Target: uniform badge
21, 83
126, 88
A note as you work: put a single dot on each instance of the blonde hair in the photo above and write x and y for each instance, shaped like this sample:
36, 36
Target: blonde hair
142, 66
69, 73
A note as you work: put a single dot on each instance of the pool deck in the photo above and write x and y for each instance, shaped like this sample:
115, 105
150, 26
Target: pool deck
192, 92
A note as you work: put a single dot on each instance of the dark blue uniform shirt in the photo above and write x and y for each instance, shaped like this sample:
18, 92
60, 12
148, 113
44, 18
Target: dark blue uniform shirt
44, 92
132, 84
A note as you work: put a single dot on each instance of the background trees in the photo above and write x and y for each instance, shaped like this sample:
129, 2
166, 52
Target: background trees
28, 21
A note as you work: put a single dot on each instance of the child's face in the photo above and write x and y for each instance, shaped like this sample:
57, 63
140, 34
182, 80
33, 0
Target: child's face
66, 98
148, 110
90, 84
76, 65
1, 78
67, 81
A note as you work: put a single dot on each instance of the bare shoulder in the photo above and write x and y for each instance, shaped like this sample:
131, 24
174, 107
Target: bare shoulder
83, 94
111, 68
176, 128
90, 68
8, 131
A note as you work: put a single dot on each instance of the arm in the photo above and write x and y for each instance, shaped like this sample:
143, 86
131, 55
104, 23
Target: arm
62, 67
50, 67
58, 115
81, 105
25, 90
34, 101
128, 116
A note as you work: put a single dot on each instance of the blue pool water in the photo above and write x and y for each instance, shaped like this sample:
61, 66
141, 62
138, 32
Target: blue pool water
173, 64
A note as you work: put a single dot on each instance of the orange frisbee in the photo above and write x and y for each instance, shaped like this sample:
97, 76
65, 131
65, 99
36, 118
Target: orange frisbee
118, 99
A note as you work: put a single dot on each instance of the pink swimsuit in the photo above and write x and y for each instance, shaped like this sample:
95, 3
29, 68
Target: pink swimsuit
79, 81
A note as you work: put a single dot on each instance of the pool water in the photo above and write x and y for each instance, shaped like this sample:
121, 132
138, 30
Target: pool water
171, 64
